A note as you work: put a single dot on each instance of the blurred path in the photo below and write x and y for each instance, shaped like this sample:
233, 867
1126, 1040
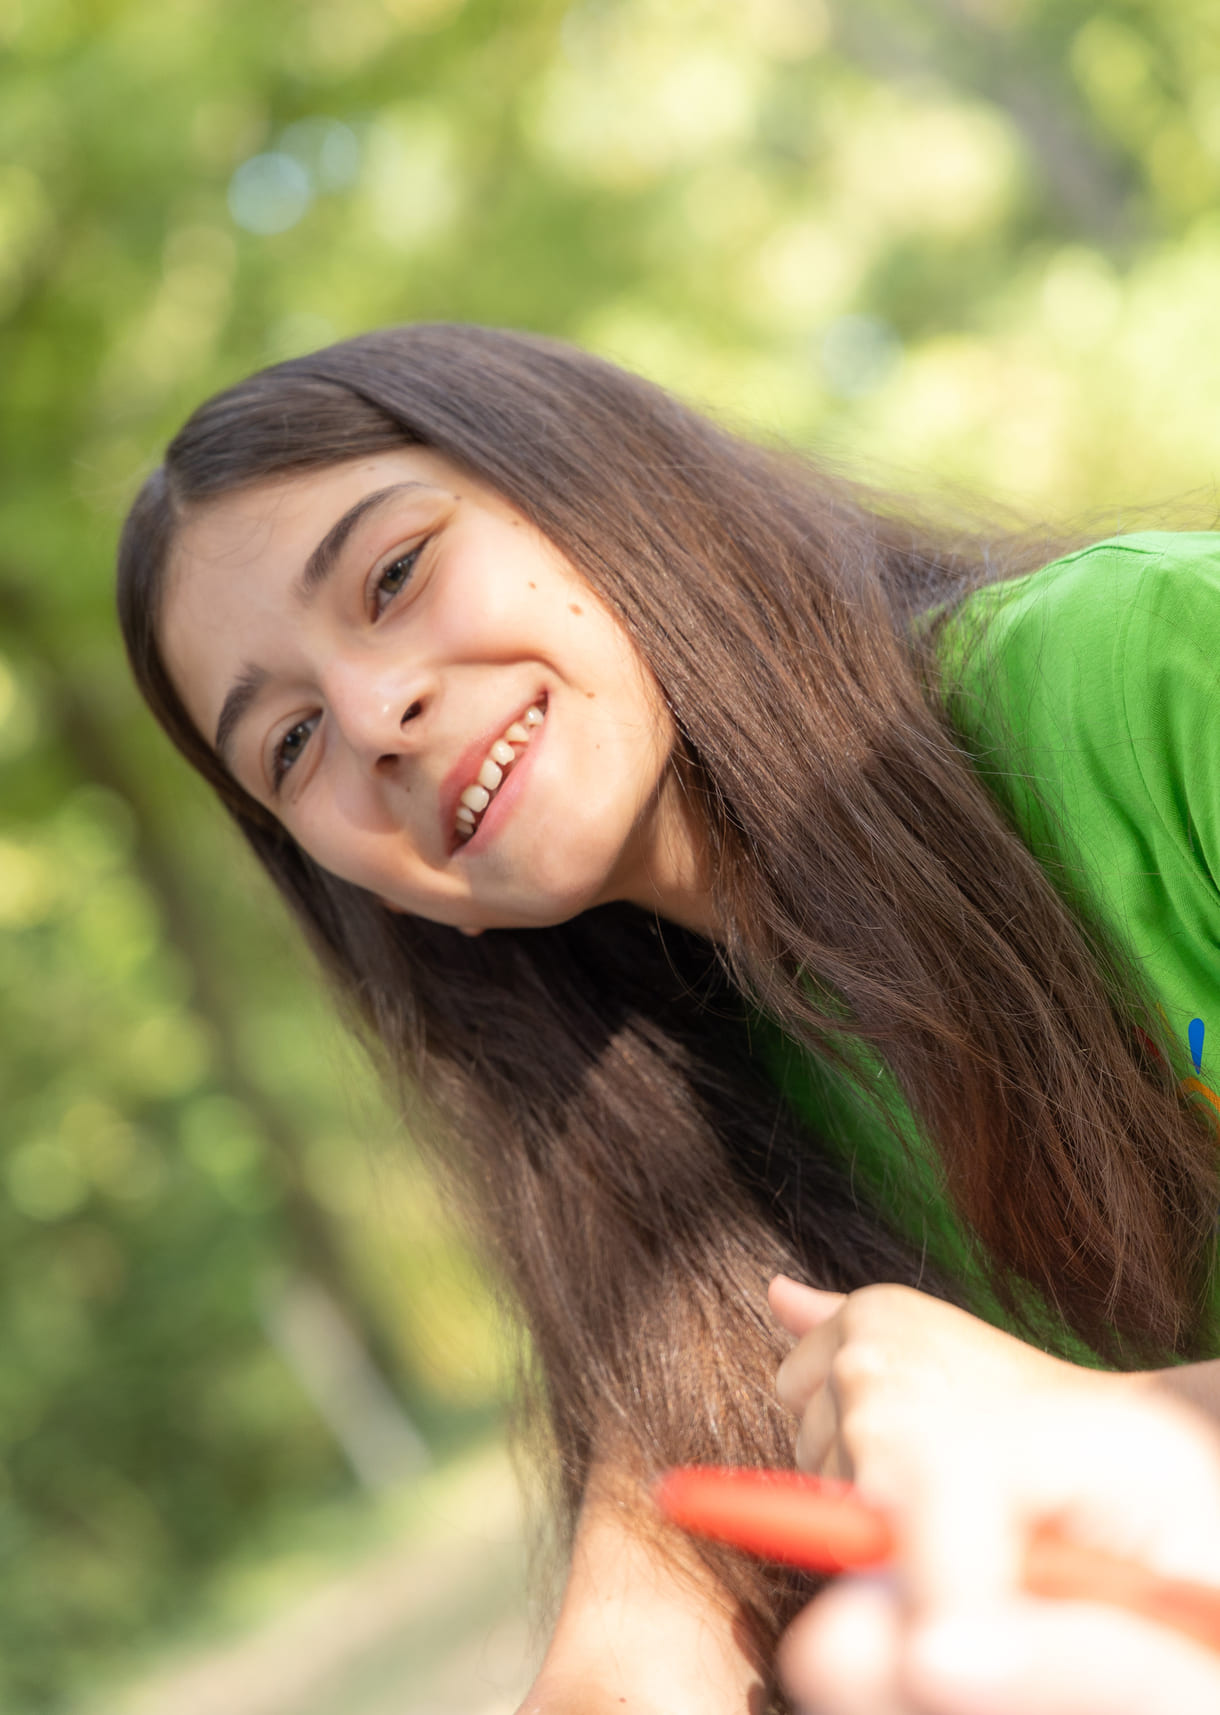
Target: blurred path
434, 1625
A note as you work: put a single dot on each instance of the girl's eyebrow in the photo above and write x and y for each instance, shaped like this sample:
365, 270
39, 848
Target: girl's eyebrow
242, 692
321, 563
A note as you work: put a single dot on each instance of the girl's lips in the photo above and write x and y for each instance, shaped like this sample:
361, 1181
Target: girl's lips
465, 770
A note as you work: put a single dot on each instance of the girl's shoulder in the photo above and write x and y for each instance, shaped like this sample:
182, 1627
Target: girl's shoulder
1100, 632
1105, 588
1086, 693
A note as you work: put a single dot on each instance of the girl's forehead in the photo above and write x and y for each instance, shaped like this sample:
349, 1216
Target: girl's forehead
282, 508
244, 520
265, 534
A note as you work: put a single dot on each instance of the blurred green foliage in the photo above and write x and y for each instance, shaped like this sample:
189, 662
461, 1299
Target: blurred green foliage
974, 237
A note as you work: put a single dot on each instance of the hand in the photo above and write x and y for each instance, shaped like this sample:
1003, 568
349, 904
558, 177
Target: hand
887, 1374
971, 1439
855, 1652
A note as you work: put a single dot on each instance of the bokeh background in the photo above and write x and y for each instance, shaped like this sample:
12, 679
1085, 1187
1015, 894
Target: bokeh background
250, 1382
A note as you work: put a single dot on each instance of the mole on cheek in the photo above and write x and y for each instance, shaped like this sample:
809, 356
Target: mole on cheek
590, 695
572, 608
533, 586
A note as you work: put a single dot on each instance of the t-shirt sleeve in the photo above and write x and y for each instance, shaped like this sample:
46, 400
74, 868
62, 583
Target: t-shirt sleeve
1089, 696
1171, 698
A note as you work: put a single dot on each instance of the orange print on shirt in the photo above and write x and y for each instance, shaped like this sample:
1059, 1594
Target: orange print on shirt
1195, 1087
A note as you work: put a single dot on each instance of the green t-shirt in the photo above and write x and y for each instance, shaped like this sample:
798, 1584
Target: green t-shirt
1098, 679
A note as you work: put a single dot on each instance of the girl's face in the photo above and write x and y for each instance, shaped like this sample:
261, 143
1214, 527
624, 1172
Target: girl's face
419, 687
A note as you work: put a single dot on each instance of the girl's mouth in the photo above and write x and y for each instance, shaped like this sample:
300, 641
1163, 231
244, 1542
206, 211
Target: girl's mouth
494, 770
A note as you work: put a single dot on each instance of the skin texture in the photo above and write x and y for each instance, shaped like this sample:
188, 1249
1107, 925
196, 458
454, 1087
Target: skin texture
971, 1438
384, 679
642, 1631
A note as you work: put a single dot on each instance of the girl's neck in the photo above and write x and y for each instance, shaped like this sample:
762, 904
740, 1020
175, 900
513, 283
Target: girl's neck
675, 881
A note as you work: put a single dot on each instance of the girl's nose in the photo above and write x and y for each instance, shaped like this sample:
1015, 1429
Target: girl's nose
380, 716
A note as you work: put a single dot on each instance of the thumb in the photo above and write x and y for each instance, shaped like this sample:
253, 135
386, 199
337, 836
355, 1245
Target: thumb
799, 1308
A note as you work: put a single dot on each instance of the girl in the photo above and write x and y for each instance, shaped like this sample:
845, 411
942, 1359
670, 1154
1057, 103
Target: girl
740, 875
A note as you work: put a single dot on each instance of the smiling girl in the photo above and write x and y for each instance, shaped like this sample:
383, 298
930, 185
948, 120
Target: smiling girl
844, 885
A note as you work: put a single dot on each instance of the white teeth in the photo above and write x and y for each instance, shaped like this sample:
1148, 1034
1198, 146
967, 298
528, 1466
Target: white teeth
477, 796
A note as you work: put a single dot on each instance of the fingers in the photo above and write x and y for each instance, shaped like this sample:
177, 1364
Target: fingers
804, 1382
1130, 1472
799, 1308
841, 1655
807, 1366
966, 1485
1109, 1469
964, 1516
819, 1444
850, 1653
1059, 1658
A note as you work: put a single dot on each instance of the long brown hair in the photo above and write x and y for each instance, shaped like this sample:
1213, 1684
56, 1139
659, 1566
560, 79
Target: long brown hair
591, 1085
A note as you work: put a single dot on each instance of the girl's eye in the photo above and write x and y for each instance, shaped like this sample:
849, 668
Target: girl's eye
395, 579
289, 749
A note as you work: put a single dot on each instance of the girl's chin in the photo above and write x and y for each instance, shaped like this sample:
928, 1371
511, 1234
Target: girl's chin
539, 917
553, 886
546, 910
